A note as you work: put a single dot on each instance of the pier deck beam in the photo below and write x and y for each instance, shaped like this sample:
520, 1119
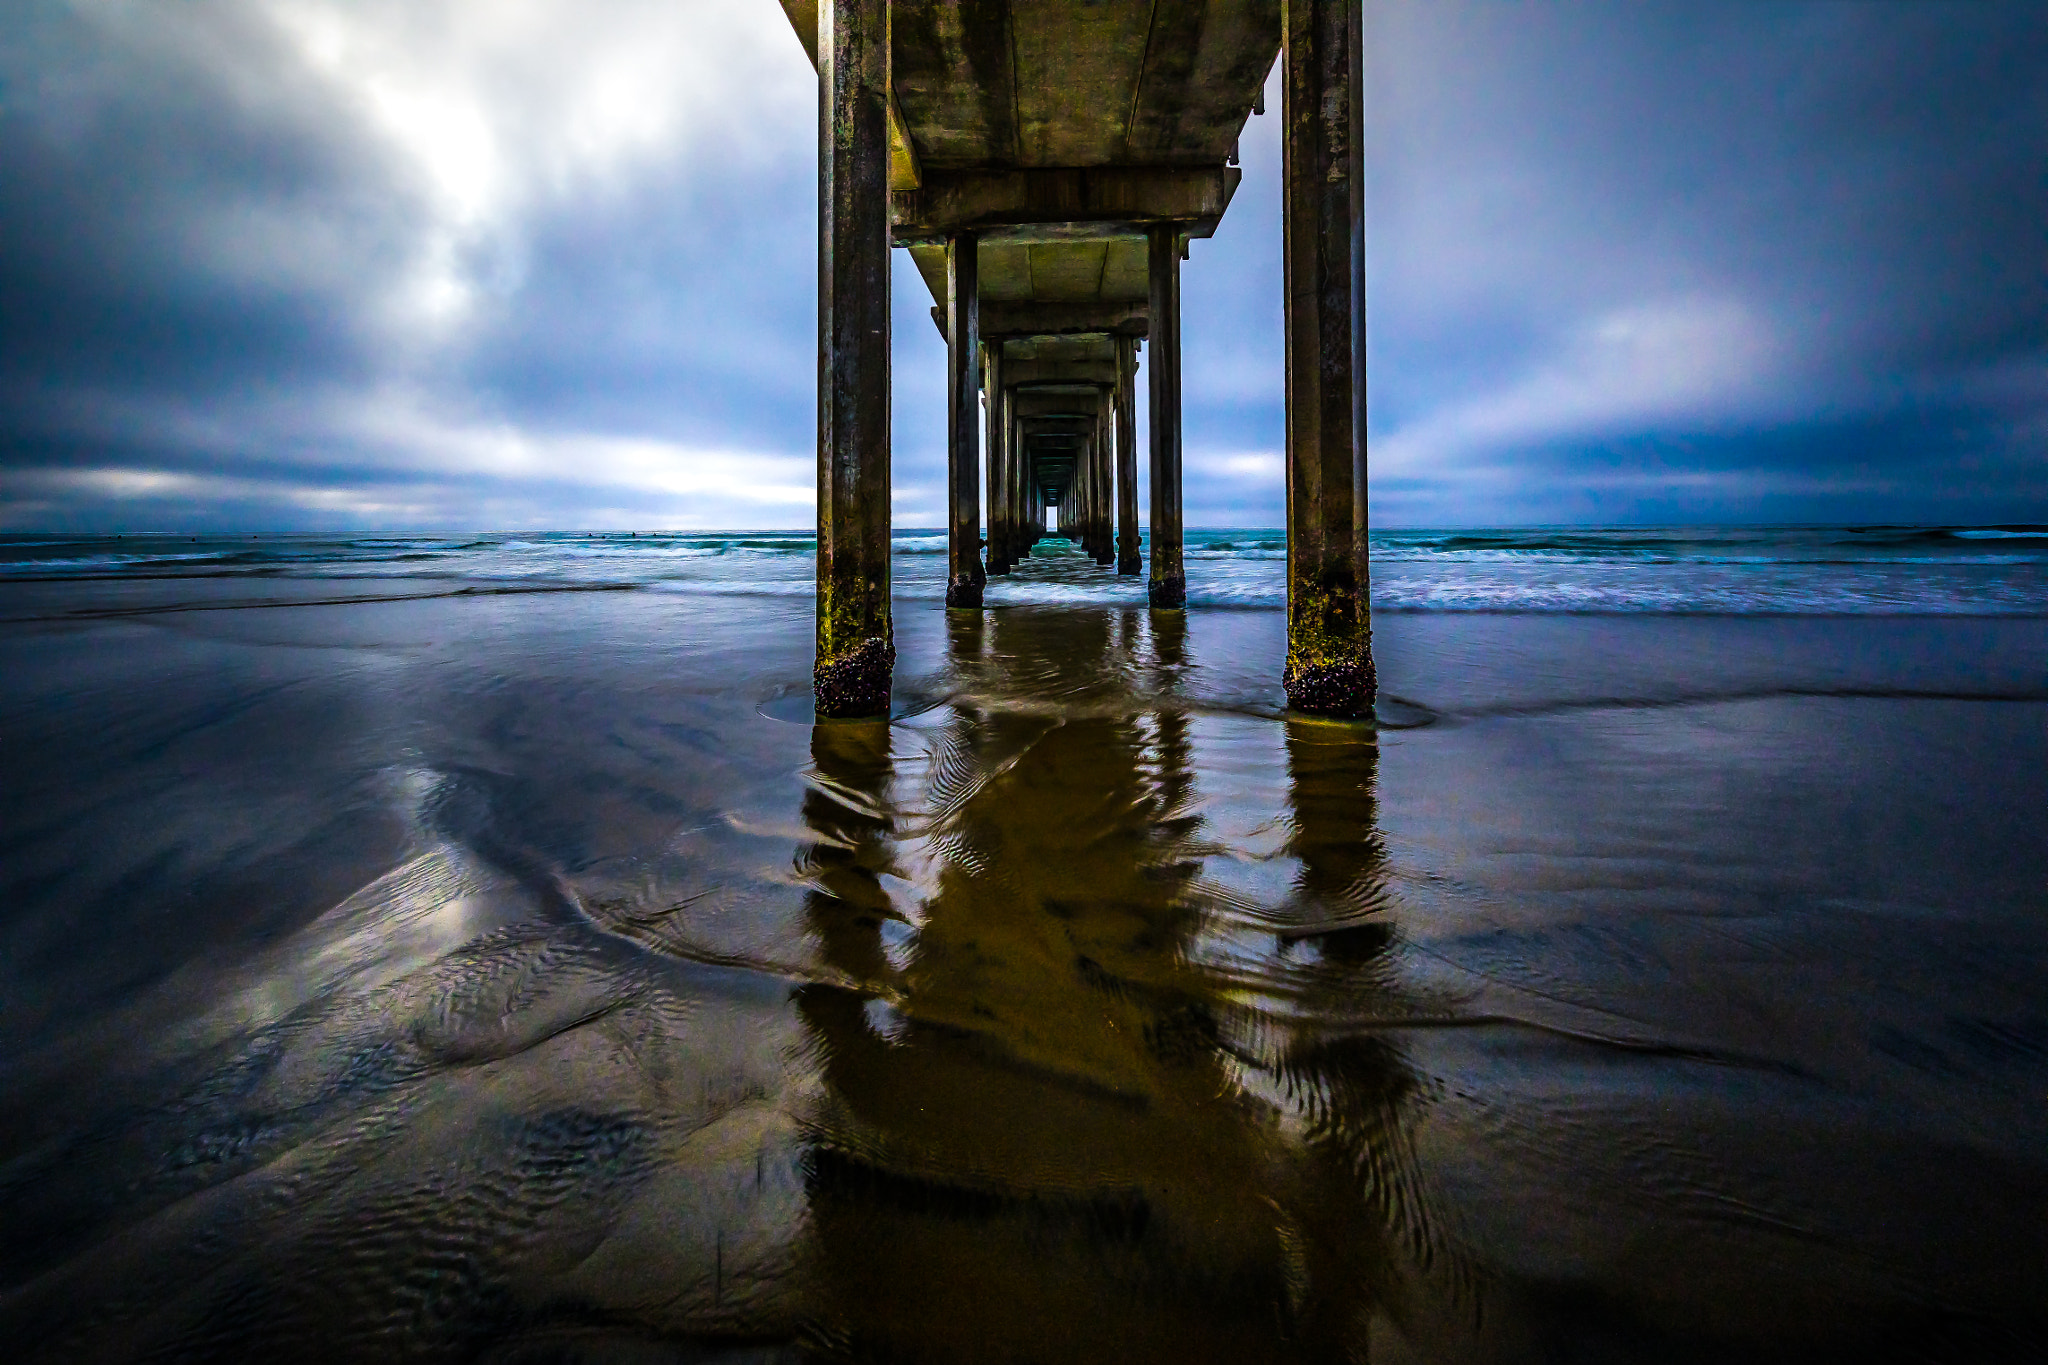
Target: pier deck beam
856, 645
1329, 627
1127, 556
965, 575
1169, 583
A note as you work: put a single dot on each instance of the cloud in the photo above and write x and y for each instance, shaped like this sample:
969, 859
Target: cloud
492, 107
483, 246
1671, 363
392, 457
519, 262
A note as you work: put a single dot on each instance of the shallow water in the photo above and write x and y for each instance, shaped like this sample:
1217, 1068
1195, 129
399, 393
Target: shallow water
1799, 570
468, 973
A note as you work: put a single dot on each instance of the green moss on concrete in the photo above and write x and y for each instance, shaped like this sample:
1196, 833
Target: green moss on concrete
1329, 651
856, 655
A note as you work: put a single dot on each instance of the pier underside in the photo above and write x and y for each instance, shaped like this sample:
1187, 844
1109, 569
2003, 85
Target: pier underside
1047, 165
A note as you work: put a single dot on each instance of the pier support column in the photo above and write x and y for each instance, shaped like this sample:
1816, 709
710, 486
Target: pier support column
1004, 451
856, 646
1169, 583
1089, 451
1089, 445
1084, 500
1077, 499
1084, 467
965, 576
1105, 478
1127, 557
992, 403
1329, 625
1020, 479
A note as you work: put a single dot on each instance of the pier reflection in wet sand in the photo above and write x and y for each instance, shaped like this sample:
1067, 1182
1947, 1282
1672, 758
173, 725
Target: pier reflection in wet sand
1081, 1105
1089, 1009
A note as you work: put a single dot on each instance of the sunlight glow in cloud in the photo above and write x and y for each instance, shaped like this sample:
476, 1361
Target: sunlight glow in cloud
497, 103
1676, 361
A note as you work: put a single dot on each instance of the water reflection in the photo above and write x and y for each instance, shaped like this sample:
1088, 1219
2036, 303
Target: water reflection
1075, 1103
1057, 1038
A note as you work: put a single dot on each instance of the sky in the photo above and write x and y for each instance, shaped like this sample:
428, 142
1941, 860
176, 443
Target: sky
464, 264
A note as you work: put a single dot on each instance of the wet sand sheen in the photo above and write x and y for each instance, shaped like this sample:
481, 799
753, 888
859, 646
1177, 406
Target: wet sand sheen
526, 978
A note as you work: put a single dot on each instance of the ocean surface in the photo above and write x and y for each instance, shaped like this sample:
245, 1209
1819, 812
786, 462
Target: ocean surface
1805, 570
470, 948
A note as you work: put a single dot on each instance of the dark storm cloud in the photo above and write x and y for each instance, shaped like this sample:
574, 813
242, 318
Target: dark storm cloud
306, 262
300, 262
132, 203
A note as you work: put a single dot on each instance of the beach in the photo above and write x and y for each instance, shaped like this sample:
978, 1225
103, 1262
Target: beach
473, 948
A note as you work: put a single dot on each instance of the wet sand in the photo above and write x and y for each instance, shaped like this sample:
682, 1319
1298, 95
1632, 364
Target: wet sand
525, 976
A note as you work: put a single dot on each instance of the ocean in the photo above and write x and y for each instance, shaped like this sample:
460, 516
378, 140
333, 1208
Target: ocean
469, 947
1798, 570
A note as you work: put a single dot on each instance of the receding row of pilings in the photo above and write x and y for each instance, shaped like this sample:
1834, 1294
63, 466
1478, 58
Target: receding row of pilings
1065, 458
1050, 444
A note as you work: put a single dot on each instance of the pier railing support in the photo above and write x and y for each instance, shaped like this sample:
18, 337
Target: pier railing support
1169, 583
965, 575
856, 646
1127, 556
1329, 625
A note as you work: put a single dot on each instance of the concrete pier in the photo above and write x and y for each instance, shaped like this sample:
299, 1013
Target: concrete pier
965, 575
1329, 629
1102, 454
1127, 540
997, 417
1001, 534
856, 646
1169, 583
1046, 166
1020, 476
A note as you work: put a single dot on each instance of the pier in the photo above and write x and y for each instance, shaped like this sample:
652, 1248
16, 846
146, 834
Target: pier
1046, 165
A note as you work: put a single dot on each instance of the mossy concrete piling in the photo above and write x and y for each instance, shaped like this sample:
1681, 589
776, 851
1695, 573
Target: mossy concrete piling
1329, 667
856, 644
